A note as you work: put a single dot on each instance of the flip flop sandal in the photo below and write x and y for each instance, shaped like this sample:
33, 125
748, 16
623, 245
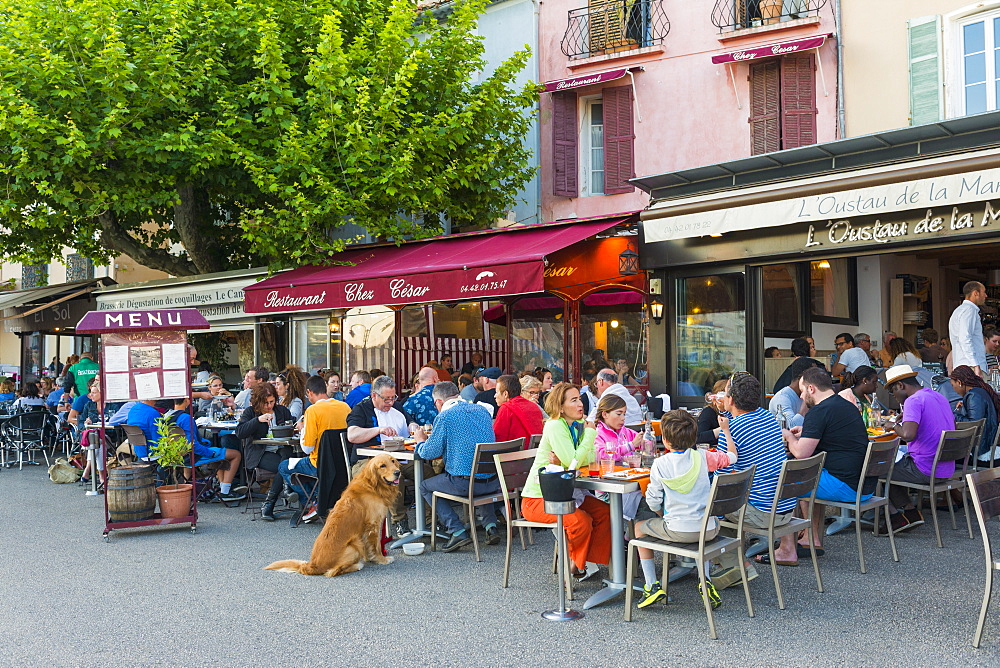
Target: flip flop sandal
802, 552
765, 560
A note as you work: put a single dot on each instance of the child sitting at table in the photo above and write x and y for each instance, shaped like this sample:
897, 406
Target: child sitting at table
678, 483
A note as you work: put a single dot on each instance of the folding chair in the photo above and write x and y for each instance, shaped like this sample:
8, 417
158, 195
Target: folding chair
482, 462
798, 479
26, 433
984, 488
730, 494
954, 446
536, 440
879, 462
513, 469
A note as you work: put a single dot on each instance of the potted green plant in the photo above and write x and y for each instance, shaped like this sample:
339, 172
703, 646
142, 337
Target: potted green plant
172, 452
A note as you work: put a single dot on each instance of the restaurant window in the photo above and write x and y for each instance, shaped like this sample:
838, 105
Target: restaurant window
368, 339
272, 342
711, 331
312, 344
782, 103
979, 66
413, 321
497, 330
833, 291
34, 275
537, 335
783, 302
612, 334
601, 154
458, 321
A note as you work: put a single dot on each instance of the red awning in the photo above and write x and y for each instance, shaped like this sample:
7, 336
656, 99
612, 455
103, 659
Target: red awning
769, 50
586, 79
468, 266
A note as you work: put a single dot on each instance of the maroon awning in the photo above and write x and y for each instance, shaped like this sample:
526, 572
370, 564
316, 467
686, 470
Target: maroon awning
451, 268
104, 322
769, 50
586, 80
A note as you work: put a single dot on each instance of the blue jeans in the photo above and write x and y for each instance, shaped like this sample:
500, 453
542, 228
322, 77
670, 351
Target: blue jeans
459, 486
833, 488
305, 466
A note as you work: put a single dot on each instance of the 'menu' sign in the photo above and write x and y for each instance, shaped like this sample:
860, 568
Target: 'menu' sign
97, 322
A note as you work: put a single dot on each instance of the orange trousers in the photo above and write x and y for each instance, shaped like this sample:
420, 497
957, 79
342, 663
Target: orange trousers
588, 530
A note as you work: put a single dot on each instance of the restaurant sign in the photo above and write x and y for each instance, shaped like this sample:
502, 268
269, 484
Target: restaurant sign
770, 50
451, 285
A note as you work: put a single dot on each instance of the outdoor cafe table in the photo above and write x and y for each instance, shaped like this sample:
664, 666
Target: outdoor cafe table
418, 478
615, 584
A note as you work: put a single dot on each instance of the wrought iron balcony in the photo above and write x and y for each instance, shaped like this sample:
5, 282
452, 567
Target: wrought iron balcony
739, 14
614, 26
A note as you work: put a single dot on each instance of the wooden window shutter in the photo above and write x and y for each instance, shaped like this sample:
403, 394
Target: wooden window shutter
619, 140
606, 24
798, 100
925, 69
565, 151
765, 107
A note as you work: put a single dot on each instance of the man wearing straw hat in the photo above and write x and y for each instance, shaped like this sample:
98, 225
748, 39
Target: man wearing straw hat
926, 414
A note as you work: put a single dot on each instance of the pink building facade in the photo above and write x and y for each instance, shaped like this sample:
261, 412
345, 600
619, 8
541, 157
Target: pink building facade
641, 87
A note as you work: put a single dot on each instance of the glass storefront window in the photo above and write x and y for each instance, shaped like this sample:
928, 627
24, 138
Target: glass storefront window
368, 339
312, 344
711, 331
458, 321
834, 297
612, 334
782, 304
413, 321
497, 331
537, 335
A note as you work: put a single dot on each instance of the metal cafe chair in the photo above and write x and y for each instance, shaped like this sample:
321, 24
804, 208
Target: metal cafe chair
954, 446
798, 479
482, 462
513, 469
26, 433
730, 493
879, 462
979, 425
984, 489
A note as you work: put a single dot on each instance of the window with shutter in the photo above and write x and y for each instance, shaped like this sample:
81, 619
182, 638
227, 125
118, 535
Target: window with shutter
765, 106
976, 88
925, 69
565, 164
619, 140
798, 101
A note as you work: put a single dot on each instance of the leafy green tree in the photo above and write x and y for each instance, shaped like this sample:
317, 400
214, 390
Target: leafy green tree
203, 135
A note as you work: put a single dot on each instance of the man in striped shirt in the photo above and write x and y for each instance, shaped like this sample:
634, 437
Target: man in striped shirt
759, 441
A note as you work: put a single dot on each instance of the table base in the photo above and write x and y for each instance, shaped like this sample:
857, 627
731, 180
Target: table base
611, 591
562, 615
843, 521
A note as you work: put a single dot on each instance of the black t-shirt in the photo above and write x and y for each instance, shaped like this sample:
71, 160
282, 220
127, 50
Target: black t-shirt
488, 397
363, 415
708, 422
838, 425
785, 379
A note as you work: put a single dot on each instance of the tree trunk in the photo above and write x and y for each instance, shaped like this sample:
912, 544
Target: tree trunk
193, 223
113, 235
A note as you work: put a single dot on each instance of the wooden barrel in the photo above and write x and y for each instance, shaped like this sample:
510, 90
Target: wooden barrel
131, 493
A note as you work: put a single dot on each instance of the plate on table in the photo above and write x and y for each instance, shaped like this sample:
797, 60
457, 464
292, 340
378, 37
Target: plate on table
224, 425
629, 474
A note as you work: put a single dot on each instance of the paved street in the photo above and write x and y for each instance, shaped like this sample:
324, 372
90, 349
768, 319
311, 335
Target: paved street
167, 597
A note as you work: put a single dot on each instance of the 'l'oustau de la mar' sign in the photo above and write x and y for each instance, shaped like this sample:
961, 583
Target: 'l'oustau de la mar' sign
103, 322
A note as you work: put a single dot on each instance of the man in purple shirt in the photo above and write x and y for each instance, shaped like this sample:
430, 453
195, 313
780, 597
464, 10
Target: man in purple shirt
926, 414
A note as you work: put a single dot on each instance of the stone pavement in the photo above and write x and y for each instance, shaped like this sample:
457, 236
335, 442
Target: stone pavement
166, 597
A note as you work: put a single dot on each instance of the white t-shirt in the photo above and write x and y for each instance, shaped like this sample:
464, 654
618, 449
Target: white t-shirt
393, 418
908, 358
854, 357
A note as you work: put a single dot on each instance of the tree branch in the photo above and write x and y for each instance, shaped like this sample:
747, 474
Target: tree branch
192, 220
113, 235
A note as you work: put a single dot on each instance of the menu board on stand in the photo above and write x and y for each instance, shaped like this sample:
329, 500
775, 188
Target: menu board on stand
144, 357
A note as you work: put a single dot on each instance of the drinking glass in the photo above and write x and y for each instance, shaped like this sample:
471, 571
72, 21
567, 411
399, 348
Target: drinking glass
595, 468
634, 459
607, 465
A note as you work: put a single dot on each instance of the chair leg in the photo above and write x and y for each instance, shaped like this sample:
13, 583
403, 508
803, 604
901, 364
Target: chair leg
965, 504
986, 604
892, 534
472, 530
934, 515
774, 572
743, 574
630, 576
506, 556
520, 533
857, 527
812, 553
700, 566
433, 527
951, 509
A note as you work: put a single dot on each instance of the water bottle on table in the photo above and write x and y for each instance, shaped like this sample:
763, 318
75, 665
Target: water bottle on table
648, 445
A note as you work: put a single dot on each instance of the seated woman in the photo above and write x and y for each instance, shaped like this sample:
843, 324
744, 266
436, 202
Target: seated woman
904, 352
565, 439
979, 400
545, 376
624, 373
612, 434
291, 393
859, 387
531, 389
47, 388
30, 397
206, 454
333, 385
708, 419
263, 412
86, 412
7, 391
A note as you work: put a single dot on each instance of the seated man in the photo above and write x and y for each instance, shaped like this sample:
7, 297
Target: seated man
361, 387
376, 416
926, 414
787, 401
421, 404
458, 428
833, 425
204, 452
758, 437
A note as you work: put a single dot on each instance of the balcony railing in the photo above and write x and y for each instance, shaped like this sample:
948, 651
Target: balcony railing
739, 14
614, 26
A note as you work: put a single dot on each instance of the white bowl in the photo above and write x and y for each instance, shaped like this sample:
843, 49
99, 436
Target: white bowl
413, 549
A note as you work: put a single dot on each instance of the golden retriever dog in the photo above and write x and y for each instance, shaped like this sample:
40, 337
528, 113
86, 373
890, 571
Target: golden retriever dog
352, 531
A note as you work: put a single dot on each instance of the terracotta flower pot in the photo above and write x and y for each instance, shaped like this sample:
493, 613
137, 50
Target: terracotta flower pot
770, 11
175, 500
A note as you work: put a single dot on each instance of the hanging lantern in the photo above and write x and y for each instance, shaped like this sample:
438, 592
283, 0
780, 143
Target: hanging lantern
656, 310
628, 262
